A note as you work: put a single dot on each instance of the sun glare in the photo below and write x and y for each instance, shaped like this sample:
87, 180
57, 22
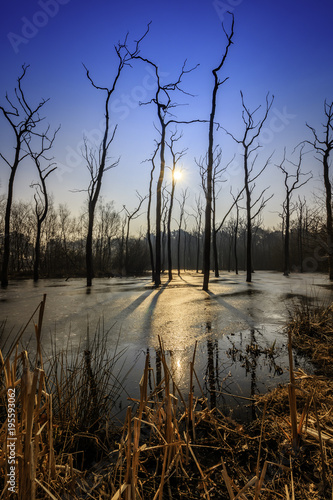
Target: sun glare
177, 175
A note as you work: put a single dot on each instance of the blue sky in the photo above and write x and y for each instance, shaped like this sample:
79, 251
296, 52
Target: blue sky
280, 47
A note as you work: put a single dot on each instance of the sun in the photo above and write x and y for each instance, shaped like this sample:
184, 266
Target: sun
177, 175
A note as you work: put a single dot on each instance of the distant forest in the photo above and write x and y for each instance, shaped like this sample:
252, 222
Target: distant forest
62, 251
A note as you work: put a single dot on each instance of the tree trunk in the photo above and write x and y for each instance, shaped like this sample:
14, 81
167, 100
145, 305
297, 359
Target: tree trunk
6, 249
329, 222
235, 241
37, 252
215, 252
151, 253
169, 230
178, 252
248, 220
198, 251
89, 241
159, 207
287, 238
208, 212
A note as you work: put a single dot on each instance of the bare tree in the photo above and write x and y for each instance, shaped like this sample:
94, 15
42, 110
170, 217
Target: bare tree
23, 118
96, 162
181, 202
323, 148
130, 216
150, 194
236, 225
97, 158
208, 190
198, 219
176, 156
41, 195
217, 228
301, 209
107, 227
291, 183
251, 134
164, 223
164, 107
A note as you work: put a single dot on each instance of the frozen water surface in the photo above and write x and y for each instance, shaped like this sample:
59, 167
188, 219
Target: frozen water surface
234, 325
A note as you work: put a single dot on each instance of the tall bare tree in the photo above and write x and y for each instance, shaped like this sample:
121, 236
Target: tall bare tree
291, 183
236, 226
164, 106
323, 148
176, 156
23, 119
164, 223
198, 220
251, 134
97, 158
182, 201
41, 195
150, 195
208, 190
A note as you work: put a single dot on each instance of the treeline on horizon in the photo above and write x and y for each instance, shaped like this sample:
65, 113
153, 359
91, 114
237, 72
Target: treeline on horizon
117, 253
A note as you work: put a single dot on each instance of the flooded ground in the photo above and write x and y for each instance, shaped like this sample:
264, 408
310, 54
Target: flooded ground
238, 327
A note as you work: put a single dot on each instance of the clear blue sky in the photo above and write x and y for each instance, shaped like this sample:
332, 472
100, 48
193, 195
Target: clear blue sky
279, 46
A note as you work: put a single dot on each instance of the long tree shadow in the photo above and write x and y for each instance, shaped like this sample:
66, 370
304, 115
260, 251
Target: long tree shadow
237, 312
150, 310
133, 305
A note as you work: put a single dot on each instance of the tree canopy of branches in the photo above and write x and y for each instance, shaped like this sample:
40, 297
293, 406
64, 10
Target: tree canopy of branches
291, 183
164, 106
23, 119
176, 156
210, 162
97, 159
251, 134
41, 195
129, 217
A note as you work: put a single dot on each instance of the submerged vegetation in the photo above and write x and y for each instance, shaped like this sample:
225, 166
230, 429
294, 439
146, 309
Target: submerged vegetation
170, 445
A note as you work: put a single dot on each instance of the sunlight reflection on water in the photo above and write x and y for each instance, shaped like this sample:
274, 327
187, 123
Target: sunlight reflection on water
235, 325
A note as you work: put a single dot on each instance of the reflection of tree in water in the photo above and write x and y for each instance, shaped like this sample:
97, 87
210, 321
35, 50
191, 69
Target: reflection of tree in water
253, 371
221, 388
212, 371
